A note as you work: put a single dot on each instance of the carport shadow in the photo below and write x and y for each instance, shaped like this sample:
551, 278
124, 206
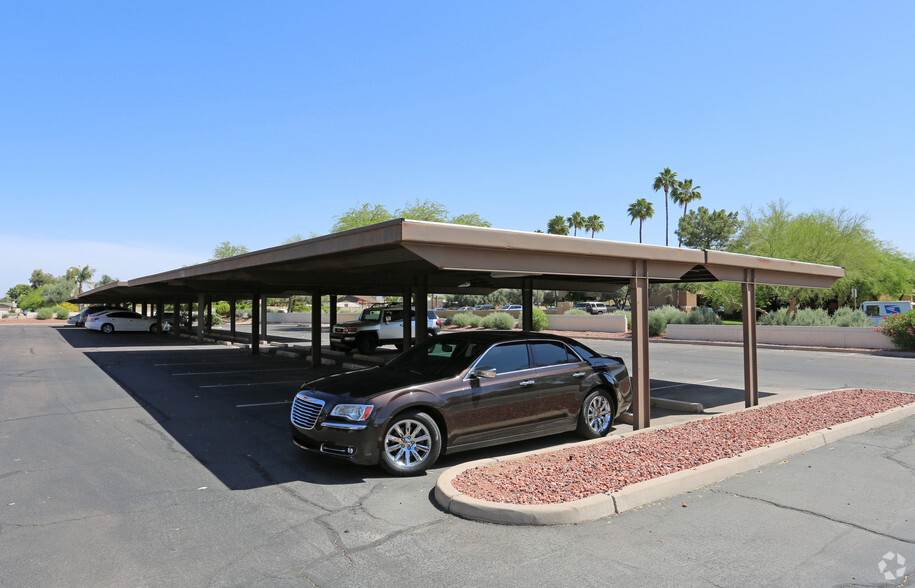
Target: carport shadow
712, 398
225, 408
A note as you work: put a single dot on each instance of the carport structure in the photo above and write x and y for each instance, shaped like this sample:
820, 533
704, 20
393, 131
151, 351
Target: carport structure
414, 258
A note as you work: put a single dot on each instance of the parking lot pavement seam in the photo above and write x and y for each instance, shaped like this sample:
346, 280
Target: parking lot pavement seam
600, 505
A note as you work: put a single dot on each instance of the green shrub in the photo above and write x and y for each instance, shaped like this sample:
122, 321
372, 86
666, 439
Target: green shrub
703, 316
467, 319
575, 311
222, 308
900, 328
659, 318
61, 313
850, 317
540, 320
499, 320
45, 313
776, 318
812, 317
5, 315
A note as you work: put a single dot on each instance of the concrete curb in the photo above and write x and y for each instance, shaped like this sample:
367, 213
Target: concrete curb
642, 493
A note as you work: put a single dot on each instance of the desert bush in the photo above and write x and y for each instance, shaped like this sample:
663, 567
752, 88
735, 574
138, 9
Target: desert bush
61, 313
776, 318
575, 311
467, 319
900, 328
499, 320
702, 315
812, 317
5, 315
45, 313
659, 318
850, 317
540, 321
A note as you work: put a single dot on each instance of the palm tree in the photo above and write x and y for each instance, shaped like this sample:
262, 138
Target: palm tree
557, 226
594, 224
83, 275
640, 209
666, 179
576, 221
683, 193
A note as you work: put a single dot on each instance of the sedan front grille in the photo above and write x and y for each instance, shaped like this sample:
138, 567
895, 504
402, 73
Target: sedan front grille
305, 411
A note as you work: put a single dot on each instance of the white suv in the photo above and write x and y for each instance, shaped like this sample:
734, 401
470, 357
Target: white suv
379, 324
592, 307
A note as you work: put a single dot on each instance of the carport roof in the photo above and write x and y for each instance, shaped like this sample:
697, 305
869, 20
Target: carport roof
385, 258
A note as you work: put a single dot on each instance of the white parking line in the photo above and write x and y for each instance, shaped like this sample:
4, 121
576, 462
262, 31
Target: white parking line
253, 384
681, 385
263, 404
194, 363
301, 369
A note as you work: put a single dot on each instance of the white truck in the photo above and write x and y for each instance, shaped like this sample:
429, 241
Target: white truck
379, 324
877, 310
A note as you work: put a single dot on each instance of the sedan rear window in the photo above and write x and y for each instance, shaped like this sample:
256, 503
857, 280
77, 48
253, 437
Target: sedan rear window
551, 353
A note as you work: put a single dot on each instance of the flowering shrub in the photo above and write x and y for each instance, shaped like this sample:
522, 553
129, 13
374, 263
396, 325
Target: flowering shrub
900, 328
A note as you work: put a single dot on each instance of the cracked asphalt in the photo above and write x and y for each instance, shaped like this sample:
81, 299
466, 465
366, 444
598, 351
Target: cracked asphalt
138, 460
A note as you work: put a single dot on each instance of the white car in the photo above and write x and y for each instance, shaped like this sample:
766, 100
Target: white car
109, 321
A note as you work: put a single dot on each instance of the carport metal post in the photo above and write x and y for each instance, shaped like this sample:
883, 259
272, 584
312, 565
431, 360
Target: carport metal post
232, 318
209, 303
255, 324
315, 328
333, 310
422, 309
160, 310
750, 374
176, 318
407, 315
201, 321
264, 318
641, 393
527, 305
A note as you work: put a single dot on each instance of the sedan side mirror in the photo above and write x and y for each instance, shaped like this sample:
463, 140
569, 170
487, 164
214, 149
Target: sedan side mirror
484, 372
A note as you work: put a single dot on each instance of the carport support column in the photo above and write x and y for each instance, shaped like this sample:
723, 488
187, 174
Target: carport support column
160, 310
316, 328
201, 319
333, 310
422, 309
750, 374
641, 393
232, 318
264, 318
176, 318
255, 324
209, 303
407, 315
527, 305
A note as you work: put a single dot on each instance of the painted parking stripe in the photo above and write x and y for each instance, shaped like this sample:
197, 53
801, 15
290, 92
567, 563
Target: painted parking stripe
301, 369
263, 404
682, 385
253, 384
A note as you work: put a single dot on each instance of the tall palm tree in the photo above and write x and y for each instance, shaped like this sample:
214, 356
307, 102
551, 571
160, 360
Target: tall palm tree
557, 226
683, 193
83, 275
640, 209
576, 221
594, 224
666, 179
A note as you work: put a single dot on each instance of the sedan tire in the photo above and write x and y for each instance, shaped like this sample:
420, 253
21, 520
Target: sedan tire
596, 416
411, 444
107, 328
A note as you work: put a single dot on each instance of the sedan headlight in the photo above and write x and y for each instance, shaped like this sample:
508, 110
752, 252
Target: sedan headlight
352, 412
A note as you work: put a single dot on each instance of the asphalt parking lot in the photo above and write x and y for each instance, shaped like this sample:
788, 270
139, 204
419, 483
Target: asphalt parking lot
140, 460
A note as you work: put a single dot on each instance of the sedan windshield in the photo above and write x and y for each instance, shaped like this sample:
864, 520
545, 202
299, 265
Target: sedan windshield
438, 358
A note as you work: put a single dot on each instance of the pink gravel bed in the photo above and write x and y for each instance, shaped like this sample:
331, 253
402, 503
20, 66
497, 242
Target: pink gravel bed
578, 472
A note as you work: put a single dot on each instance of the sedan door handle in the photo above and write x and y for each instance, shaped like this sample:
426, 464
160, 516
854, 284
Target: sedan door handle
578, 375
527, 383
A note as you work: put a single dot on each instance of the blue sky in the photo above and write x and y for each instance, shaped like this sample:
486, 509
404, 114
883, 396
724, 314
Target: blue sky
138, 136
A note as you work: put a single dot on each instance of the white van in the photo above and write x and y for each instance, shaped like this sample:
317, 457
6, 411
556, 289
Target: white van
877, 310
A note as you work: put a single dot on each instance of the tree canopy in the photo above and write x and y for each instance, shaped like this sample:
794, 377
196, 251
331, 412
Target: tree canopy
227, 249
701, 229
427, 210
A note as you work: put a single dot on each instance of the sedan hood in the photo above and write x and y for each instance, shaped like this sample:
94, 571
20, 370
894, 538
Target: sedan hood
362, 384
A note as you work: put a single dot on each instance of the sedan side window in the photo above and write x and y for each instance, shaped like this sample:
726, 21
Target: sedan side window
506, 358
551, 353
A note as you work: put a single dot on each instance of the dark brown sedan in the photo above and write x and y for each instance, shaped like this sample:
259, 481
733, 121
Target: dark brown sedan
457, 392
